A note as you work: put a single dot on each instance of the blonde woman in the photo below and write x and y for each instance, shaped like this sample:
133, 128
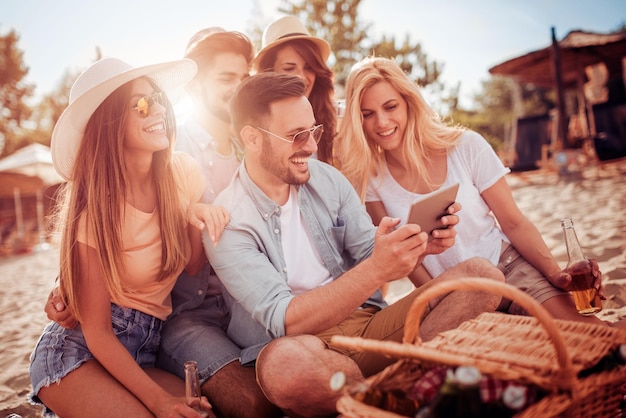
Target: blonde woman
125, 238
394, 148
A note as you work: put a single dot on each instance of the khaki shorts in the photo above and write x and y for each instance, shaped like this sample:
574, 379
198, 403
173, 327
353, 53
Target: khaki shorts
521, 274
374, 323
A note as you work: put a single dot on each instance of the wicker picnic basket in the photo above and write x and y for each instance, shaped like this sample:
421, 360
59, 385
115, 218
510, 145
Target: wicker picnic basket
534, 350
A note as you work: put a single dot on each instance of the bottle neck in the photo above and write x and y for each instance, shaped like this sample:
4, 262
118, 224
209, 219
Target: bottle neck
574, 251
191, 365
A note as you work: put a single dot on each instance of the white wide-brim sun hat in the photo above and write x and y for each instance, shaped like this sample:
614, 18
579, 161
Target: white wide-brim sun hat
92, 87
285, 29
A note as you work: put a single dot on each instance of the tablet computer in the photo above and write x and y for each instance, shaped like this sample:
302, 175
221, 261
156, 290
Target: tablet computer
427, 210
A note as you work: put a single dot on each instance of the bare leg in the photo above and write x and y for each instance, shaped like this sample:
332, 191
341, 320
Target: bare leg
173, 384
91, 391
563, 307
451, 310
295, 373
234, 392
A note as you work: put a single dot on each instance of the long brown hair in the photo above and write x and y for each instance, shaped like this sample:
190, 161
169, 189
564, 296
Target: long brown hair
322, 94
97, 193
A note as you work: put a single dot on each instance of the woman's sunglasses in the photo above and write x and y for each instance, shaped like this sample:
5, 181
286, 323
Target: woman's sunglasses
300, 138
144, 105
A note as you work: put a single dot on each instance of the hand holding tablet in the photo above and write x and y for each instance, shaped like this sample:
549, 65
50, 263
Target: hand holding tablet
428, 210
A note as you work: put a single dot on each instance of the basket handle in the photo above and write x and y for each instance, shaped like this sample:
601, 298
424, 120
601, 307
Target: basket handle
413, 319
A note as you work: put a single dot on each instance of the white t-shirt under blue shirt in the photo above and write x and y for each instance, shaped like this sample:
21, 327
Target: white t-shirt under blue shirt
476, 167
305, 268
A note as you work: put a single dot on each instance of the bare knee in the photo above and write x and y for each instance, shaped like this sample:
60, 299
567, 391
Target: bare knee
294, 373
481, 267
283, 357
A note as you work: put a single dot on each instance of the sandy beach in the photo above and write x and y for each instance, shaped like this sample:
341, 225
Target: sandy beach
595, 198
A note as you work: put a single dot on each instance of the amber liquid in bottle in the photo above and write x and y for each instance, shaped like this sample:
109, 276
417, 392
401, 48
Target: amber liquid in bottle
585, 295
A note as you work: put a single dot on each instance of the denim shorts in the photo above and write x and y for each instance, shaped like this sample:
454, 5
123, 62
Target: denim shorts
60, 351
198, 334
523, 275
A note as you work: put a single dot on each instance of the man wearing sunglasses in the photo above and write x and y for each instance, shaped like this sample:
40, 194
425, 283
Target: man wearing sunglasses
301, 259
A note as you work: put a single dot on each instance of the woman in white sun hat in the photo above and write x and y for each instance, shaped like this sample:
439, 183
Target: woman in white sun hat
288, 47
125, 238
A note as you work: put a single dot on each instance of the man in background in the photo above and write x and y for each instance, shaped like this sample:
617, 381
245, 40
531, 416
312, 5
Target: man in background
196, 330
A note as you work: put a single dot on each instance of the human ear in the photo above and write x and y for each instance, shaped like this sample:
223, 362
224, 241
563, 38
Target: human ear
251, 137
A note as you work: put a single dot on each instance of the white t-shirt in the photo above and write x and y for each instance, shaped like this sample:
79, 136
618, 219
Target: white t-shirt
305, 268
476, 167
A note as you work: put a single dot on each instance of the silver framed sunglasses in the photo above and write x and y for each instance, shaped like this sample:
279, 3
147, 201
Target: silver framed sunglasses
300, 138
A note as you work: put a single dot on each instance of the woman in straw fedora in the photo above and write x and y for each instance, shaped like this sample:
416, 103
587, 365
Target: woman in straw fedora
288, 47
125, 238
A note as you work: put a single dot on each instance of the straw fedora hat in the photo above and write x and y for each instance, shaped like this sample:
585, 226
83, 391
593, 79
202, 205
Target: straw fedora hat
92, 87
285, 29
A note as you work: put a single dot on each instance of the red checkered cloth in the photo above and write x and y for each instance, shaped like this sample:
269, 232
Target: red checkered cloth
491, 389
427, 386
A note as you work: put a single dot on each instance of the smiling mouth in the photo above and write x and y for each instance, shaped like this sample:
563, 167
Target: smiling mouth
300, 160
156, 128
388, 132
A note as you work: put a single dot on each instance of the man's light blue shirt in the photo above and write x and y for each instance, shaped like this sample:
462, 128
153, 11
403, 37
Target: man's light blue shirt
249, 259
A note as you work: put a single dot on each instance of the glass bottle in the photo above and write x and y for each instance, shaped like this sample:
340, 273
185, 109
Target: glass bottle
585, 295
459, 396
192, 387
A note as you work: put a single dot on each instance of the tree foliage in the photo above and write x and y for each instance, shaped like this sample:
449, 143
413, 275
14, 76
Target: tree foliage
498, 106
338, 22
49, 109
14, 92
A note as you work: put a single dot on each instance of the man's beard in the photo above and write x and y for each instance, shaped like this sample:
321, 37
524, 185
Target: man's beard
273, 166
219, 112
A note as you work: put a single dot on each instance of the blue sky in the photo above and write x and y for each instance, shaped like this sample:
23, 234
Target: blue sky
467, 36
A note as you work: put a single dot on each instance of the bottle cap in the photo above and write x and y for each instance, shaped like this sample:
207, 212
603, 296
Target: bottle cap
514, 396
467, 375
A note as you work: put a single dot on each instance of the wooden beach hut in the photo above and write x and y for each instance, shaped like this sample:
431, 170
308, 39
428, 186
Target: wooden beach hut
27, 184
587, 72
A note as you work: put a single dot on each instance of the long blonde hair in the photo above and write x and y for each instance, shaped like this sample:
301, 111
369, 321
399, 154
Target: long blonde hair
426, 133
97, 192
